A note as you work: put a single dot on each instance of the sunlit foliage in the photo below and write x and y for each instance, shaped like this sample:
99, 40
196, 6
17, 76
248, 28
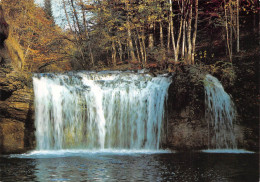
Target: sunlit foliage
33, 38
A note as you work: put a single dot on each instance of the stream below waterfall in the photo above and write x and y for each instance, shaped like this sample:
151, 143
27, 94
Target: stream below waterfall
129, 166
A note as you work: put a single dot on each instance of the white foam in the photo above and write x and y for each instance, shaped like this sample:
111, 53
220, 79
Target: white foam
233, 151
83, 152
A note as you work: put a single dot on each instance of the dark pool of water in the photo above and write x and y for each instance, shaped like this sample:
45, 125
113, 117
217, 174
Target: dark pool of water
130, 167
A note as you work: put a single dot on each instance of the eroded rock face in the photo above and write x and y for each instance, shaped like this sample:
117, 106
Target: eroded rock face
12, 136
188, 135
187, 129
16, 112
16, 102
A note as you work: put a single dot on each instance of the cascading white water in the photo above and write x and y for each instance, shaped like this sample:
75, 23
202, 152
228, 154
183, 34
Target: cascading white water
99, 110
219, 113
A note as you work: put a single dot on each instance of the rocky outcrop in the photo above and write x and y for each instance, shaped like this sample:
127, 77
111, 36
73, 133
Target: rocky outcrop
16, 101
16, 111
187, 135
187, 128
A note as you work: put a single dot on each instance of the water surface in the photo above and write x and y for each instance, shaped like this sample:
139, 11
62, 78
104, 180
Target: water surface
129, 166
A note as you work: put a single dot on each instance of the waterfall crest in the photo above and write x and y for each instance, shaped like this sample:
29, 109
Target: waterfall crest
219, 113
87, 110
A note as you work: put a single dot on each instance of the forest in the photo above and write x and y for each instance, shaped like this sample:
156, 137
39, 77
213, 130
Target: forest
129, 34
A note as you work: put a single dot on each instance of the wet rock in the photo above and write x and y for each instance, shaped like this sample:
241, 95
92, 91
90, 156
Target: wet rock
185, 113
11, 136
184, 136
187, 129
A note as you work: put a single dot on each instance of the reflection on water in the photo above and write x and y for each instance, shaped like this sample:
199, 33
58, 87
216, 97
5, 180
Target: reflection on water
130, 167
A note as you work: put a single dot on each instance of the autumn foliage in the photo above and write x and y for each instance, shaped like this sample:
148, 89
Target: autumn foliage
34, 43
106, 33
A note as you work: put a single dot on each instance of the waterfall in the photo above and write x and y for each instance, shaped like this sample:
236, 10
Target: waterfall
88, 110
219, 113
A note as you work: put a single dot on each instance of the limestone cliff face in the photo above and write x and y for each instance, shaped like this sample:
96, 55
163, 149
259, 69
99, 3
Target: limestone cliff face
16, 101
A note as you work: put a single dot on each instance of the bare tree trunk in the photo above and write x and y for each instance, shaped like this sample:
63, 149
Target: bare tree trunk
74, 22
131, 47
84, 18
140, 45
227, 31
87, 35
91, 53
161, 42
168, 36
67, 16
137, 50
189, 36
78, 43
113, 53
127, 50
183, 40
177, 50
195, 32
129, 34
75, 14
171, 28
161, 35
144, 48
120, 50
237, 25
231, 26
150, 36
